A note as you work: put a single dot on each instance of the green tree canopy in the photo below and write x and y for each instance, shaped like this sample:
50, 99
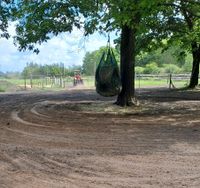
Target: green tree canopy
5, 16
39, 20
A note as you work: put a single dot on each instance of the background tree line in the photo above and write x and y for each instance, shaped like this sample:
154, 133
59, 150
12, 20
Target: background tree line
56, 70
153, 62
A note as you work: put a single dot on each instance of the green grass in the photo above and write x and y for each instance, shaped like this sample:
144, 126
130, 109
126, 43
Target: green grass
8, 86
158, 83
15, 81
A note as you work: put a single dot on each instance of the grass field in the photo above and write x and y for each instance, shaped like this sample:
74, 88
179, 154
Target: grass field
159, 83
89, 82
8, 86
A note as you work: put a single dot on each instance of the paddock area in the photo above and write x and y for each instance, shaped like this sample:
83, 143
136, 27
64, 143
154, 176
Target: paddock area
77, 139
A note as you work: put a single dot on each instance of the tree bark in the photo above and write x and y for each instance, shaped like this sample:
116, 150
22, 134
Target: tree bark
127, 66
194, 79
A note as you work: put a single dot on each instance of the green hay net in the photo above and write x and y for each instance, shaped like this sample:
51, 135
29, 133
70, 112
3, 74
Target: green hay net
107, 77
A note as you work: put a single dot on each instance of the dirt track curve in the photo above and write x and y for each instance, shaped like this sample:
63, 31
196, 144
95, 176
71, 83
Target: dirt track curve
48, 141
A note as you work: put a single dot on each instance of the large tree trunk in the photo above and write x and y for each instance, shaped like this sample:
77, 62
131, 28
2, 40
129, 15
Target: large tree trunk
127, 65
194, 80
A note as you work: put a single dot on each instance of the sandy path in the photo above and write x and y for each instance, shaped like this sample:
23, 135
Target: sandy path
46, 143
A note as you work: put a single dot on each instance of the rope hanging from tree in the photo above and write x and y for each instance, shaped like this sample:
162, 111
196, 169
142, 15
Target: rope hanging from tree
107, 77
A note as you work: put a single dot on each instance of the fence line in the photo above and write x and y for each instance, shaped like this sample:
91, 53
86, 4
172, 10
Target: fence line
164, 80
61, 82
42, 81
64, 82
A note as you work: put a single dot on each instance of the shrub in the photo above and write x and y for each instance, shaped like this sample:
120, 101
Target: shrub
170, 68
187, 67
139, 70
152, 68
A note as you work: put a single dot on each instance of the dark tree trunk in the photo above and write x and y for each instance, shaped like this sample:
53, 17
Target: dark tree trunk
127, 66
189, 18
194, 79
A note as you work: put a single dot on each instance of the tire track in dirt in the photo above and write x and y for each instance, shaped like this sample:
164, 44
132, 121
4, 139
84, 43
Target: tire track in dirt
15, 117
53, 143
34, 111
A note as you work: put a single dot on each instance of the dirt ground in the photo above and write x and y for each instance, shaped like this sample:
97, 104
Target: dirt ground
77, 139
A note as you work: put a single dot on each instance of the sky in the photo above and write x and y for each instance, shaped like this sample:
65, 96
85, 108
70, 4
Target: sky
68, 48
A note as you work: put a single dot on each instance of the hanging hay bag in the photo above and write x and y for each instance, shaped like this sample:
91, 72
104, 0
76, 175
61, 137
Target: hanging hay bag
107, 77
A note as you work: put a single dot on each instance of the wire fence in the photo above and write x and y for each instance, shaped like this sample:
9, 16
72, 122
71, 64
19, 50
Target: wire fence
40, 81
